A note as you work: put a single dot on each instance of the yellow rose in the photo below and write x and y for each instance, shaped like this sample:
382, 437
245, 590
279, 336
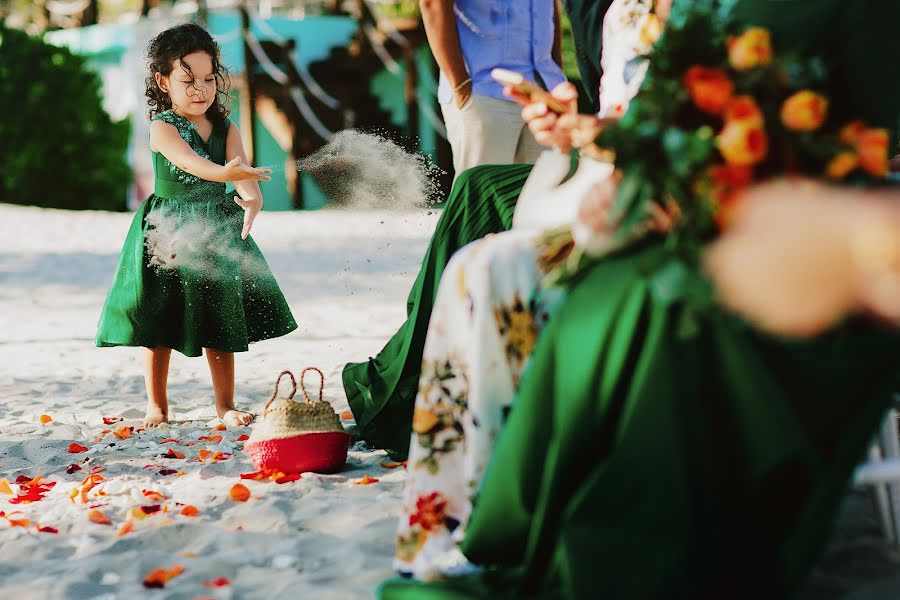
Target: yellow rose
743, 143
841, 165
872, 148
751, 49
804, 111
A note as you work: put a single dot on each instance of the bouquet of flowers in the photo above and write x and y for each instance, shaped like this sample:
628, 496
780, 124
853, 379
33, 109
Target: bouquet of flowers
712, 118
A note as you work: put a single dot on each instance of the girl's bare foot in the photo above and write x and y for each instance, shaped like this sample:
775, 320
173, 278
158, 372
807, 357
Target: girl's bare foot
155, 415
233, 417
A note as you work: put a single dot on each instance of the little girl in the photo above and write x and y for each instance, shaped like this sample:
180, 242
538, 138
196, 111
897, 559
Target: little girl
189, 277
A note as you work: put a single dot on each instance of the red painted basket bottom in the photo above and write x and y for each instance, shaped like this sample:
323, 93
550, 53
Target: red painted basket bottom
315, 452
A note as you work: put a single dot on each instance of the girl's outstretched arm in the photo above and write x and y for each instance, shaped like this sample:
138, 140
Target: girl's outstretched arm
250, 199
164, 138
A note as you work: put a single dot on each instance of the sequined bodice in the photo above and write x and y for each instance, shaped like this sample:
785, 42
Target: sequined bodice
212, 149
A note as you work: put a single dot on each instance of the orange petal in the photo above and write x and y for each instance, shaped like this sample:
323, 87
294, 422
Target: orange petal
347, 415
126, 528
365, 481
157, 578
287, 478
204, 454
95, 515
76, 448
19, 522
242, 438
219, 428
239, 493
391, 464
172, 453
4, 487
190, 511
44, 419
154, 495
123, 433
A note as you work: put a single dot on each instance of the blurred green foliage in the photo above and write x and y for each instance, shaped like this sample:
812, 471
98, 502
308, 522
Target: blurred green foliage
59, 148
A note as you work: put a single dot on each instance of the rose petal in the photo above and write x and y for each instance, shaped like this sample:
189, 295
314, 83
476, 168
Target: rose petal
366, 480
172, 453
44, 419
47, 529
288, 478
190, 511
239, 493
217, 582
95, 515
126, 528
76, 448
242, 438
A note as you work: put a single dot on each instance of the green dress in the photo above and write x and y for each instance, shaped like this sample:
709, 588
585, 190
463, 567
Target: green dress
185, 279
382, 391
658, 449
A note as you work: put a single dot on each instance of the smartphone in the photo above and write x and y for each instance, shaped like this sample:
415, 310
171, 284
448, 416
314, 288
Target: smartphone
533, 91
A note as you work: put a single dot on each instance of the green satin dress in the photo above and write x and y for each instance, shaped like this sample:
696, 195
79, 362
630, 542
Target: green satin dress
661, 448
185, 279
382, 390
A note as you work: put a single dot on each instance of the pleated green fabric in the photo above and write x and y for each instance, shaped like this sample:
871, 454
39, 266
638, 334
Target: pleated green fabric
382, 391
210, 289
640, 461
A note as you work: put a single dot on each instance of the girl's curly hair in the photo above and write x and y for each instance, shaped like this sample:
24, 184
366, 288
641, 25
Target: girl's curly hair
173, 45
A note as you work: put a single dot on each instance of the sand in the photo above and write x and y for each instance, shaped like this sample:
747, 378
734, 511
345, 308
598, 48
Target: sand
345, 274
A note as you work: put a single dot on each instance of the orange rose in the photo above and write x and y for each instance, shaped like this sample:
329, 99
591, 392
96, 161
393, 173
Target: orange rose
850, 132
751, 49
872, 148
710, 89
743, 143
728, 182
804, 111
841, 165
743, 108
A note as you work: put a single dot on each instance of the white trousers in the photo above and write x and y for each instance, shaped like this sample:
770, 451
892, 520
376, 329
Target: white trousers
488, 131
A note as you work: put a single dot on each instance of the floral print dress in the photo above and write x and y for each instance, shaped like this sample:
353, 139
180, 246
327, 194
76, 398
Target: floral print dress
488, 313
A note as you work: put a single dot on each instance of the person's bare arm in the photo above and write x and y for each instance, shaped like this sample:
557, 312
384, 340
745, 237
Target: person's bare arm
165, 139
251, 199
556, 52
443, 37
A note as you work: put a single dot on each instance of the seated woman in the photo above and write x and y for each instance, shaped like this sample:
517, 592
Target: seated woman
642, 462
381, 391
489, 310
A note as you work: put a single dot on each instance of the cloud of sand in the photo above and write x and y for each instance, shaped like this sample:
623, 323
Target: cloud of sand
368, 171
200, 245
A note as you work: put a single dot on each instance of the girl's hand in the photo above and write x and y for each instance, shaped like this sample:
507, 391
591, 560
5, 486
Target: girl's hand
236, 170
251, 207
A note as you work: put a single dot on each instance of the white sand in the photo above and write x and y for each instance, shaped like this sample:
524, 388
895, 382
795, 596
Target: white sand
346, 276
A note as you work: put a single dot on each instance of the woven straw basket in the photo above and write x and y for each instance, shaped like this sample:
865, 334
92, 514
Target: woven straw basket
296, 437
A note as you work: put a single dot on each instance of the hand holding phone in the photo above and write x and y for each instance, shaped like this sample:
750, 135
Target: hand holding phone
528, 89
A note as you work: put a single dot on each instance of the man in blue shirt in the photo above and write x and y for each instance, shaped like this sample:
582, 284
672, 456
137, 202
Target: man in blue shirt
469, 38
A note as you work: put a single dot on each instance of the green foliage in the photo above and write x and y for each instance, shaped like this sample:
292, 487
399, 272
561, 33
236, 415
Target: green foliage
59, 147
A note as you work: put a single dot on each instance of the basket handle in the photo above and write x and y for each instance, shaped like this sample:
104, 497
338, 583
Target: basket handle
321, 383
275, 391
